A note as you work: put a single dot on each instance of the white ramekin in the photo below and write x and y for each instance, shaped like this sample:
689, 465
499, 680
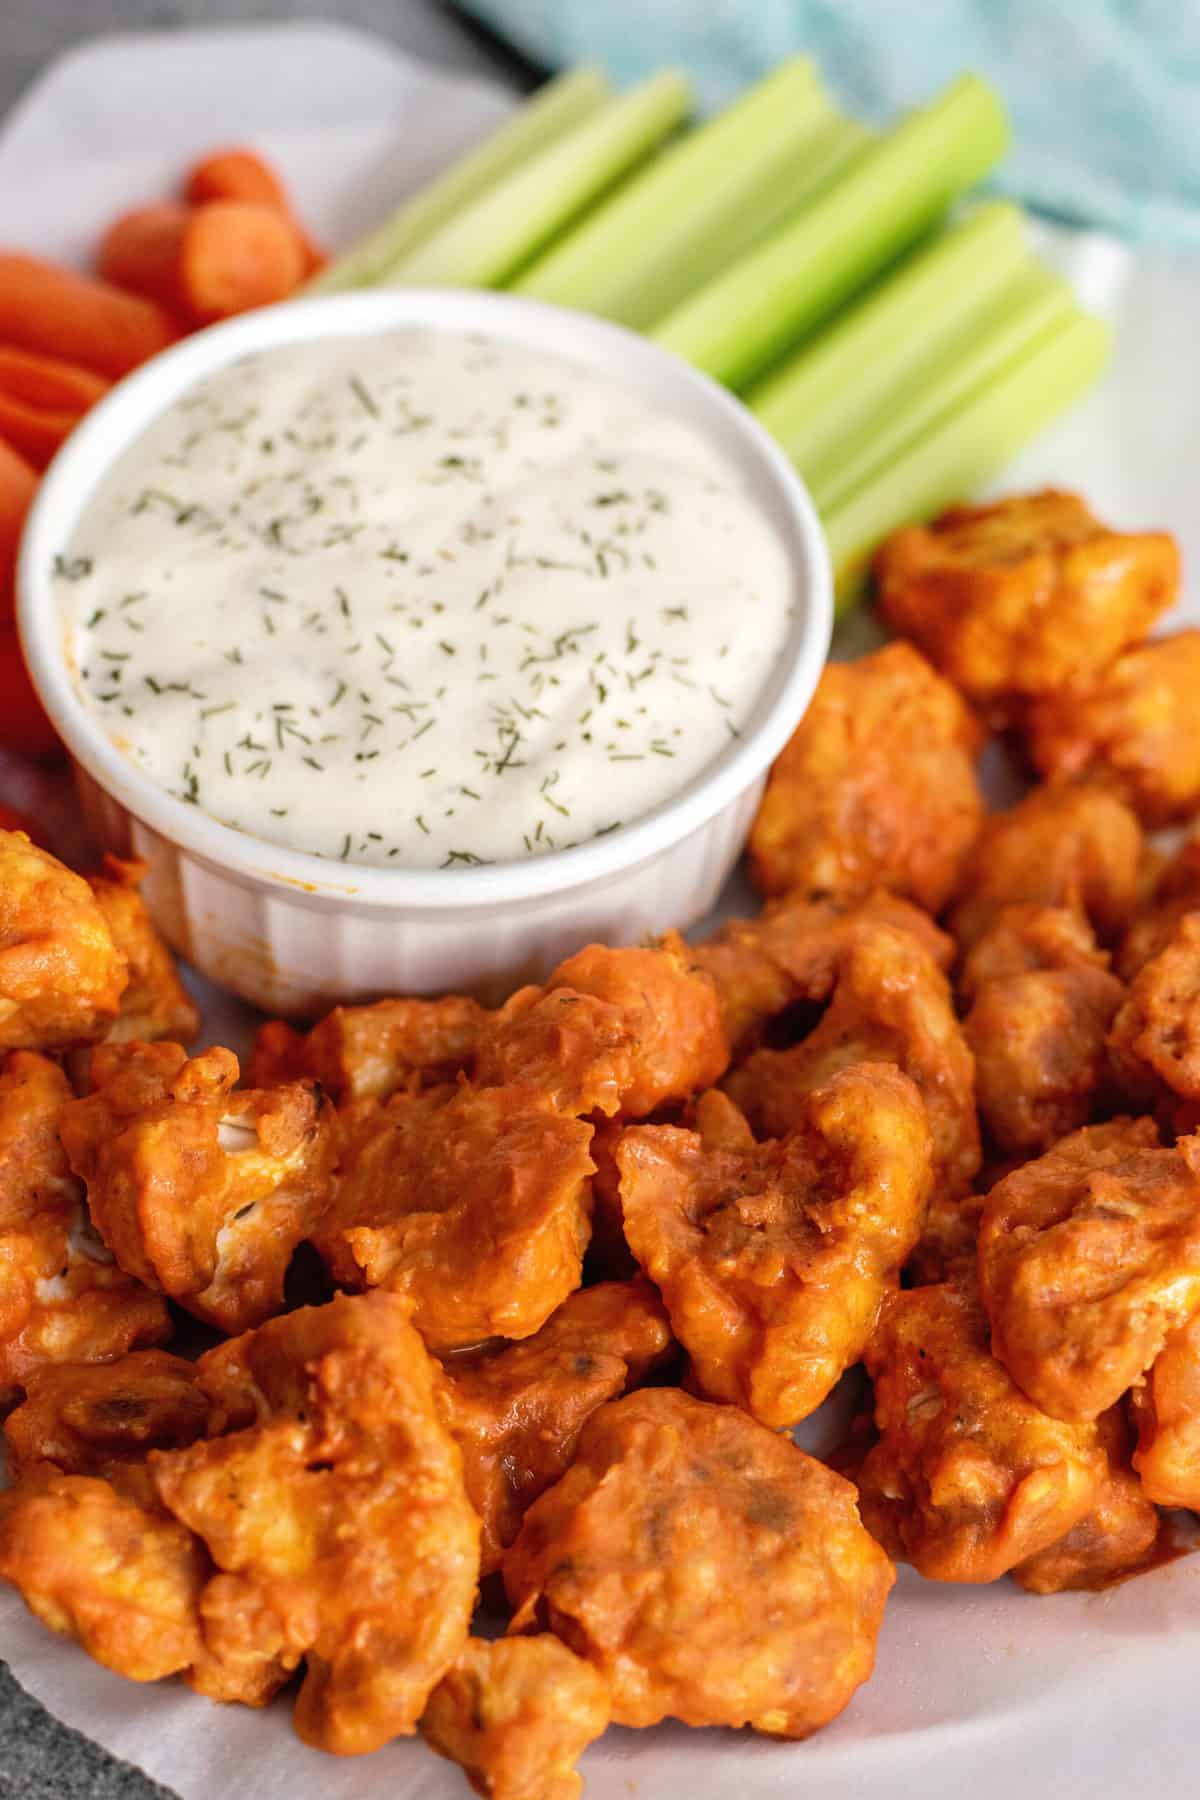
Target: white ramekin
286, 930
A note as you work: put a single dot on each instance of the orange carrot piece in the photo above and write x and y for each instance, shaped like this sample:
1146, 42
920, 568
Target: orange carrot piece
18, 484
47, 381
23, 724
239, 174
56, 312
35, 431
207, 262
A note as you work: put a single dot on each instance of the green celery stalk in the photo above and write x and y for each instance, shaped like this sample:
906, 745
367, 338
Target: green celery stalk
981, 347
830, 388
667, 230
966, 445
741, 321
492, 237
553, 111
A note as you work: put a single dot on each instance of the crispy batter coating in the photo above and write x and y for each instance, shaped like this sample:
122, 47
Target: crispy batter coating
669, 1005
574, 1050
476, 1206
1177, 891
517, 1715
1041, 1063
61, 974
1166, 1411
339, 1519
1024, 595
198, 1191
1155, 1039
890, 1003
773, 1261
948, 1239
875, 788
1089, 1258
968, 1477
709, 1569
1116, 1536
1132, 729
155, 1004
517, 1411
372, 1052
62, 1297
763, 966
1024, 938
1060, 846
89, 1421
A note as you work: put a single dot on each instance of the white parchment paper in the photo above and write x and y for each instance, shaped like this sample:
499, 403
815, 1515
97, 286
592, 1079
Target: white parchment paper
982, 1692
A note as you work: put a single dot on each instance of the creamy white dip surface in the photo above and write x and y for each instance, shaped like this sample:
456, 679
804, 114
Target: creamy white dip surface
422, 600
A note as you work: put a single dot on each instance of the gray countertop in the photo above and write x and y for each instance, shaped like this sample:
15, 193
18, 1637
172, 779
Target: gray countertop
39, 1758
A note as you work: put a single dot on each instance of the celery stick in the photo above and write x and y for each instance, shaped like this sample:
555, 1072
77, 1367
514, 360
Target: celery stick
735, 325
966, 445
493, 237
553, 111
982, 346
665, 231
825, 393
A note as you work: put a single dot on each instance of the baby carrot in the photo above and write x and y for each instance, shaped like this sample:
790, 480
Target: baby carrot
35, 431
207, 262
57, 312
239, 174
18, 484
41, 400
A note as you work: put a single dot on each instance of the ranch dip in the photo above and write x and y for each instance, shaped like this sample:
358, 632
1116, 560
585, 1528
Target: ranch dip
422, 600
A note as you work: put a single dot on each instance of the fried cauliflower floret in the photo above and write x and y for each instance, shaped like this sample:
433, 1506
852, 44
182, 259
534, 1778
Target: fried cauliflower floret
1176, 892
1089, 1259
62, 1297
371, 1052
1025, 595
948, 1239
338, 1518
1041, 1063
708, 1568
876, 787
1155, 1038
576, 1052
1116, 1536
1166, 1411
61, 974
476, 1206
890, 1003
1061, 846
516, 1716
89, 1421
773, 1261
763, 966
1131, 730
155, 1004
201, 1192
968, 1478
1025, 938
517, 1411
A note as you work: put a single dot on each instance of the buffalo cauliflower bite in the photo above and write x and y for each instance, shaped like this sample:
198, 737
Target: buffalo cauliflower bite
876, 787
155, 1004
517, 1411
475, 1203
1166, 1411
199, 1191
948, 1240
787, 954
576, 1052
773, 1261
968, 1478
710, 1570
890, 1003
1089, 1259
1117, 1535
1175, 892
91, 1421
517, 1715
1131, 730
372, 1052
1023, 596
62, 1297
1071, 847
1024, 938
61, 974
1155, 1038
338, 1519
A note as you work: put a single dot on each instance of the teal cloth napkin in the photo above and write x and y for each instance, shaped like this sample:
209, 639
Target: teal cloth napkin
1104, 94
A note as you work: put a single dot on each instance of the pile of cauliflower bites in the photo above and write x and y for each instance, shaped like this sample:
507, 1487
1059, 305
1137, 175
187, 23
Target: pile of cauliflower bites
577, 1265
